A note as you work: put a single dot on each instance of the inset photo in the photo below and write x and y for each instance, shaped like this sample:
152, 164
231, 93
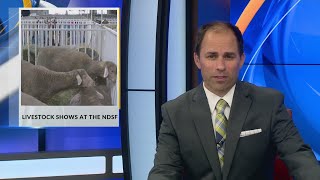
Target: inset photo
69, 60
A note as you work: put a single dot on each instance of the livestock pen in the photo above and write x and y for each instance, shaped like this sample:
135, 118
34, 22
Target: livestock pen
75, 33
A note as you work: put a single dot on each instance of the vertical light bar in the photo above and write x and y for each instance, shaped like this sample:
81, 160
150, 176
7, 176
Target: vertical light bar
141, 86
176, 77
142, 129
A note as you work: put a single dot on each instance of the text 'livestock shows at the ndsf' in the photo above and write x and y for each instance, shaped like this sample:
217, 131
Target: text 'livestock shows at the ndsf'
86, 116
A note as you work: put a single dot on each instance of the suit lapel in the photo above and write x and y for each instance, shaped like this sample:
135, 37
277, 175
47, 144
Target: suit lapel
202, 119
240, 107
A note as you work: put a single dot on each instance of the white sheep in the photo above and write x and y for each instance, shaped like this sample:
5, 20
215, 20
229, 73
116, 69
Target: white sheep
96, 95
88, 96
106, 92
42, 83
28, 100
64, 59
93, 54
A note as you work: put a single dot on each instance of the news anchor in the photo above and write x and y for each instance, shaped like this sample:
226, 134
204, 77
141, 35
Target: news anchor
226, 129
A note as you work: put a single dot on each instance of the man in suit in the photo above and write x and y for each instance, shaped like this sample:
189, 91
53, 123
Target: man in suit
224, 128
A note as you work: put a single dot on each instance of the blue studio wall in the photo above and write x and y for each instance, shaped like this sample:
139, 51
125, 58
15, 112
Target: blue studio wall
281, 42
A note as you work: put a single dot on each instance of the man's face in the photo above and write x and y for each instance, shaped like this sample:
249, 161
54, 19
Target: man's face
219, 61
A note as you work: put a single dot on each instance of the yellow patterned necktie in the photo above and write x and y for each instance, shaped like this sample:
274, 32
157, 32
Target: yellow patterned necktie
220, 128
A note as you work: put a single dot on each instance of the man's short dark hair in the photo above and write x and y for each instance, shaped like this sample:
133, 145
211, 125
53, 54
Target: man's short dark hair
216, 26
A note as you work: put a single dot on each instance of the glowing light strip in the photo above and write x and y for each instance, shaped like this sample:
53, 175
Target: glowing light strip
117, 166
52, 167
244, 74
248, 13
27, 3
314, 90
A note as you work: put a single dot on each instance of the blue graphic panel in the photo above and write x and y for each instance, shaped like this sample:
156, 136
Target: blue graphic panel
280, 44
209, 10
302, 91
93, 3
282, 32
281, 41
18, 140
82, 138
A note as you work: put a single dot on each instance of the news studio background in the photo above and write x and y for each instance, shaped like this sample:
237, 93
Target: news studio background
91, 147
281, 43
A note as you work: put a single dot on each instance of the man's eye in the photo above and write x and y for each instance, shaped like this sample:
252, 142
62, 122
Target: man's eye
229, 56
212, 56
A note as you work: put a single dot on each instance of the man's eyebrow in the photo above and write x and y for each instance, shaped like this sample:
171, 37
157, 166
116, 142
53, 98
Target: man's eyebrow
230, 53
211, 53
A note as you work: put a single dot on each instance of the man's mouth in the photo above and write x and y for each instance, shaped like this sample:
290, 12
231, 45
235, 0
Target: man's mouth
220, 77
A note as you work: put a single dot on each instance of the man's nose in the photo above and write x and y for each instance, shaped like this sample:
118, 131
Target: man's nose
221, 64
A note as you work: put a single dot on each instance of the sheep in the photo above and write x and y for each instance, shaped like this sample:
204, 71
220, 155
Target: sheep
42, 83
63, 97
93, 54
106, 92
97, 95
64, 59
31, 48
26, 99
89, 96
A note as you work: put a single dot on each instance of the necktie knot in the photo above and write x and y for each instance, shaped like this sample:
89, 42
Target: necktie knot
221, 106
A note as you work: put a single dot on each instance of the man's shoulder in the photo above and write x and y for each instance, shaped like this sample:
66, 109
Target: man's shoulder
260, 91
183, 99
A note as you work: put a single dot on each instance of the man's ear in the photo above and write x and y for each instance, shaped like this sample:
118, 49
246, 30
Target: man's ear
196, 59
242, 58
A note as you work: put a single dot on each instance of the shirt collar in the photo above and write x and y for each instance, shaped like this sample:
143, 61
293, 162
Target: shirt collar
213, 98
